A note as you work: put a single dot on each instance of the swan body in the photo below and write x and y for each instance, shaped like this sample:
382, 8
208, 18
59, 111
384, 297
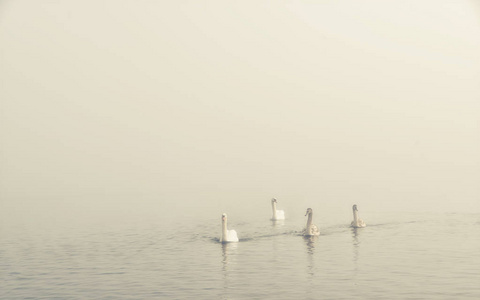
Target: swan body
357, 222
228, 236
311, 229
277, 214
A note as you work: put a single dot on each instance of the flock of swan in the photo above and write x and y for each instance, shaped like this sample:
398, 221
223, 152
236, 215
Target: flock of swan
311, 229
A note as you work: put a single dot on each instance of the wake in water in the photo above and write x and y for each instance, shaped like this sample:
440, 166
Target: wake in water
278, 223
256, 237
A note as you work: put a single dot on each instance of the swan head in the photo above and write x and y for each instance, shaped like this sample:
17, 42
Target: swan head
355, 207
309, 211
274, 200
224, 217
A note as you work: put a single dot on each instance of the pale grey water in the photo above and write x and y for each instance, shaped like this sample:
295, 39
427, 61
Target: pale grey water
398, 256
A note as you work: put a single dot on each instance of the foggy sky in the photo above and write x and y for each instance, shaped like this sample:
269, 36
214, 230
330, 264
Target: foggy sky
138, 106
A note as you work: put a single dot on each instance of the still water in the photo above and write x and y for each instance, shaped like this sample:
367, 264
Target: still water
397, 256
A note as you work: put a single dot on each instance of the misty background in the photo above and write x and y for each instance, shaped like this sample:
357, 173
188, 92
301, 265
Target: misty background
115, 109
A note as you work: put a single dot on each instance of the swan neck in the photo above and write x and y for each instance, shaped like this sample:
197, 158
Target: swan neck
355, 216
274, 209
224, 230
309, 220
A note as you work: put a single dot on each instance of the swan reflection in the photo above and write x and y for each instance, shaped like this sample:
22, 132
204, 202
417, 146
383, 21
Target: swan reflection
228, 251
310, 243
356, 232
278, 223
355, 235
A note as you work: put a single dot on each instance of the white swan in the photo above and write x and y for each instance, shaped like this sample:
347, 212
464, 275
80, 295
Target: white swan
357, 223
277, 214
311, 229
227, 235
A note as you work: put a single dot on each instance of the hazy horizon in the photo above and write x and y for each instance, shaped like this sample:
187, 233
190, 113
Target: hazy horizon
181, 107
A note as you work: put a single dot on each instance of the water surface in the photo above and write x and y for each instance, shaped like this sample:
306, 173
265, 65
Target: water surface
397, 256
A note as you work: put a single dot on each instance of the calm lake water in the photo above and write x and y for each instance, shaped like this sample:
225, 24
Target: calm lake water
397, 256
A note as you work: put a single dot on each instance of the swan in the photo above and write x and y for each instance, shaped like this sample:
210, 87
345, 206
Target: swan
227, 235
357, 223
277, 214
311, 229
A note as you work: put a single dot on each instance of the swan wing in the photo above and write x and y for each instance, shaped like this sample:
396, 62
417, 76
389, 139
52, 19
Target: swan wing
314, 230
359, 223
280, 215
232, 236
